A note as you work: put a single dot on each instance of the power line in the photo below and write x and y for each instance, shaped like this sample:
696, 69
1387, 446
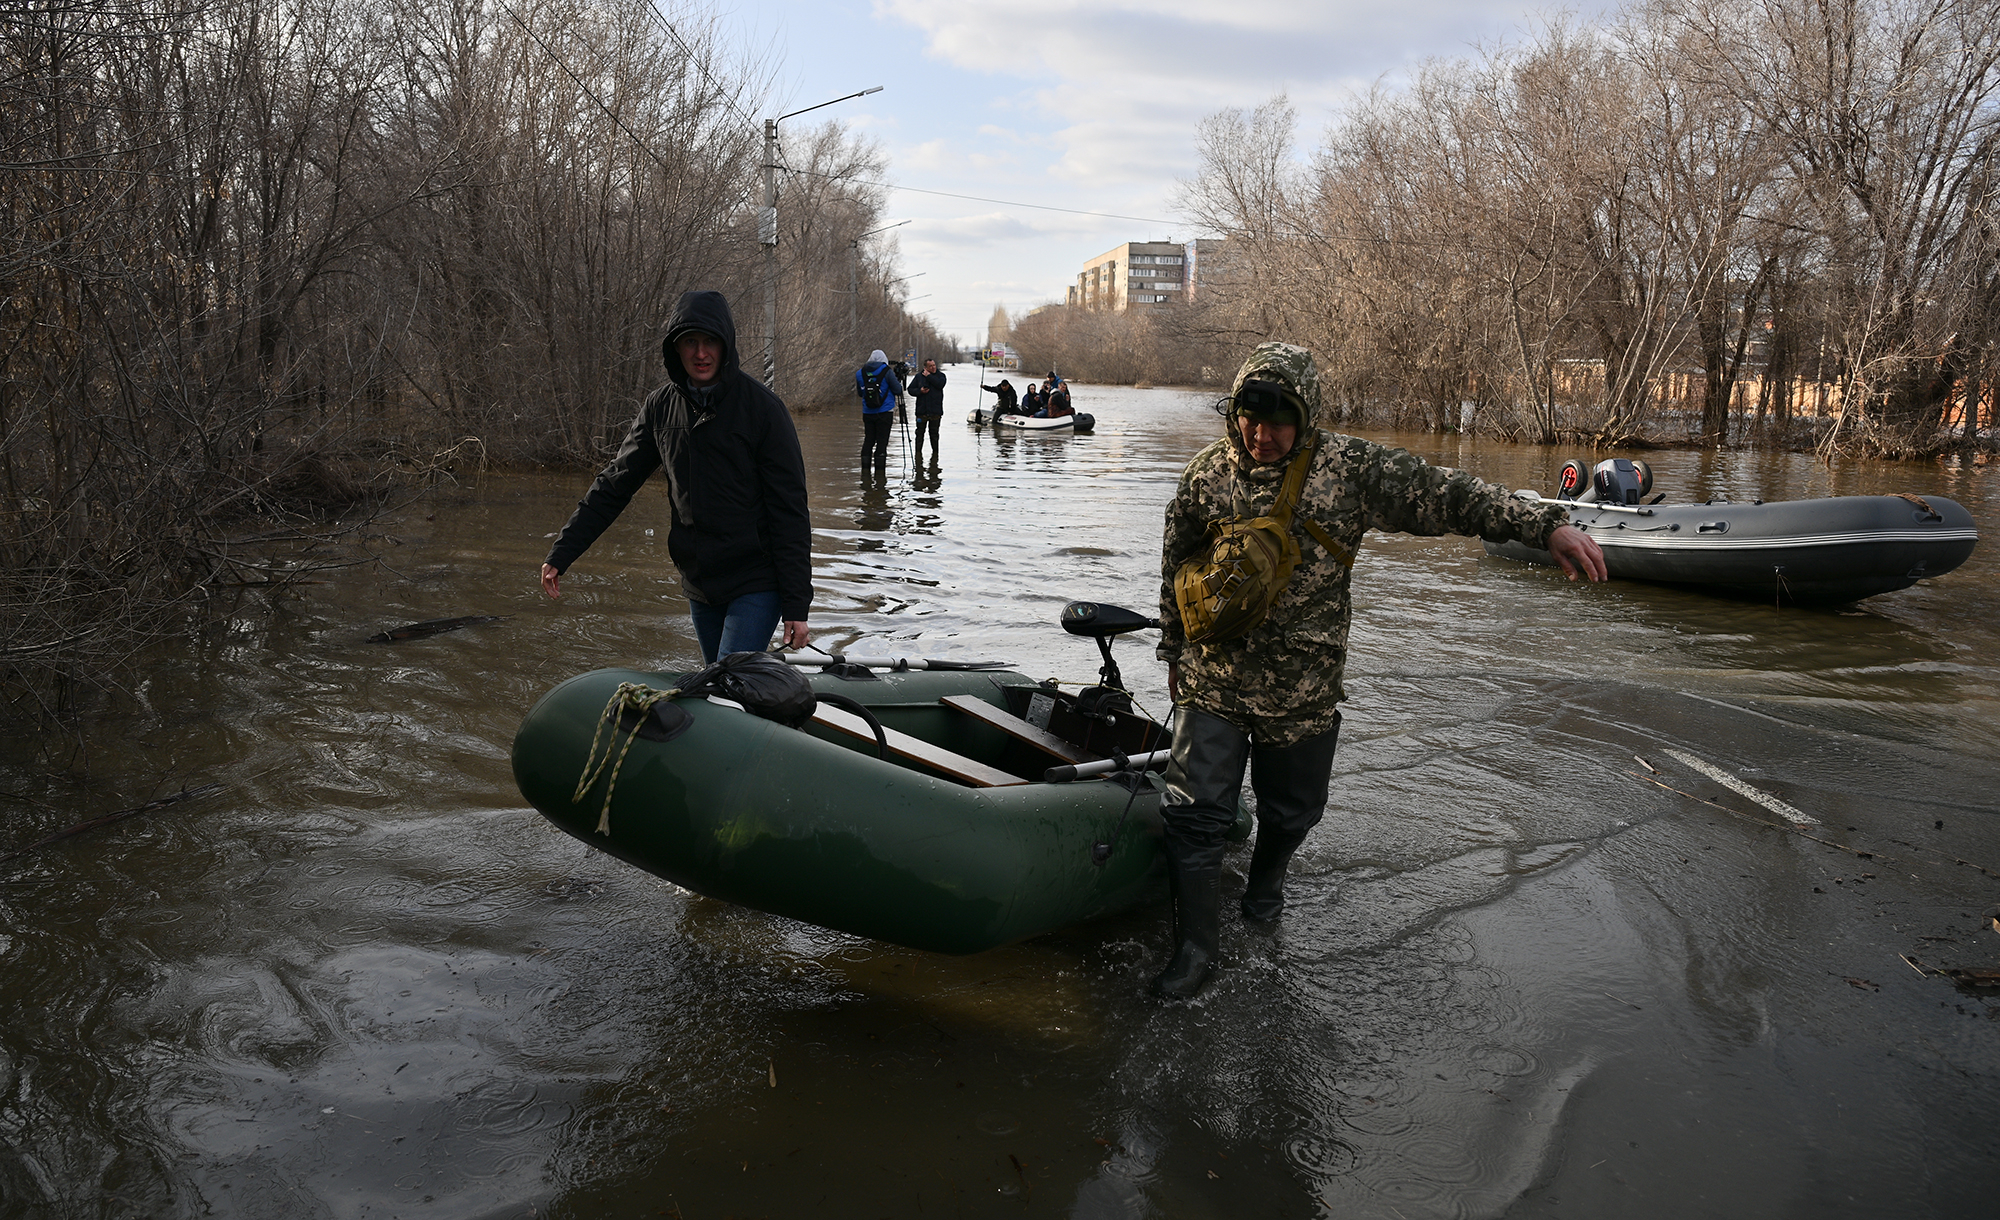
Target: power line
587, 90
699, 66
1009, 203
1355, 238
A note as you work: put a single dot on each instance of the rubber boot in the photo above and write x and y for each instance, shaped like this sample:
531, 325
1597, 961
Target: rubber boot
1291, 786
1203, 781
1264, 896
1196, 879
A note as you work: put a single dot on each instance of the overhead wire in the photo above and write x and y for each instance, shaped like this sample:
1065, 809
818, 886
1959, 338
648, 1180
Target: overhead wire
730, 98
1011, 203
694, 59
1049, 207
587, 90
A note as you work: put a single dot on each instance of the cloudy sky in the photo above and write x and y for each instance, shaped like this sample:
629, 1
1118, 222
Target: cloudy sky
1087, 105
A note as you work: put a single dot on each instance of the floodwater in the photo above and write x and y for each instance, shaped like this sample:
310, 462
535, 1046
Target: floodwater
1522, 974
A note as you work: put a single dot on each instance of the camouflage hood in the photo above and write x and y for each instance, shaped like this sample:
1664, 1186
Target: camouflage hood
1286, 362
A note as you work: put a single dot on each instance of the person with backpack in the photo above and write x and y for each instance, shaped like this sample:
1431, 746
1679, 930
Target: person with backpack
1255, 565
739, 530
927, 393
880, 391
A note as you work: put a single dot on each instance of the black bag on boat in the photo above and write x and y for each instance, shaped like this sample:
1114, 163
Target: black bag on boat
762, 683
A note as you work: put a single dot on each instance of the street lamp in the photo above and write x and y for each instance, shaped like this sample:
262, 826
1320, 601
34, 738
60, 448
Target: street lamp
903, 318
767, 232
854, 273
887, 300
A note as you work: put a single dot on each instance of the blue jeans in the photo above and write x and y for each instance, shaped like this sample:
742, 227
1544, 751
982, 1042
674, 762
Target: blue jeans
743, 625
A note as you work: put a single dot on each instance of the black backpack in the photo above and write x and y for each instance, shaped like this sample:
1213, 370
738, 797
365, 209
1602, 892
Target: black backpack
764, 684
871, 387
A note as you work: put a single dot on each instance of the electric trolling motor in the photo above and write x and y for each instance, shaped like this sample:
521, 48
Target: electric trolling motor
1108, 699
1103, 623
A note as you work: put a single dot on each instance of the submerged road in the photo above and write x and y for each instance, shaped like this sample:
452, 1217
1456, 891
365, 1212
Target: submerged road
1631, 901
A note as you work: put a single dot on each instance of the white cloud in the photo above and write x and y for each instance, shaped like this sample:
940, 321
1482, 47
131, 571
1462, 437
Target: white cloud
1090, 105
1118, 88
1258, 45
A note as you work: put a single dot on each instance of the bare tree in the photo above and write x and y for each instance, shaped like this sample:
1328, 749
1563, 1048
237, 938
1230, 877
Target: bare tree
261, 257
1886, 110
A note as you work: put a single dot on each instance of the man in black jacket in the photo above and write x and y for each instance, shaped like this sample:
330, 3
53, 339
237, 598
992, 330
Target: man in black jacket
736, 482
927, 391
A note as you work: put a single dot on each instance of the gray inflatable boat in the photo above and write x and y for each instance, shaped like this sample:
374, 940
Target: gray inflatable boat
1797, 552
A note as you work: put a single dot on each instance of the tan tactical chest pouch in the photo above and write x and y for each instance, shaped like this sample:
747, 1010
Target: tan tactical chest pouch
1226, 592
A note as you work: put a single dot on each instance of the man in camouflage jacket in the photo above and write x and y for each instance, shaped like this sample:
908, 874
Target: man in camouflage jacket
1270, 699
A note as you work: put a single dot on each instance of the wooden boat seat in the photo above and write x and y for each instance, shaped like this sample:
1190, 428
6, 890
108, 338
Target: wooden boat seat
917, 750
1017, 728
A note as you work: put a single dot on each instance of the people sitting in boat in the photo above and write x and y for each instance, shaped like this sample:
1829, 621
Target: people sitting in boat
1055, 401
1031, 401
1007, 401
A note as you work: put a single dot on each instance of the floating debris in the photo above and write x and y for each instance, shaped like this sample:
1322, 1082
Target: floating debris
185, 794
431, 627
1964, 976
1972, 976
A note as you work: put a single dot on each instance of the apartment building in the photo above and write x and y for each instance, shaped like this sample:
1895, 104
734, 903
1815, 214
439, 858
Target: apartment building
1138, 273
1151, 273
1206, 263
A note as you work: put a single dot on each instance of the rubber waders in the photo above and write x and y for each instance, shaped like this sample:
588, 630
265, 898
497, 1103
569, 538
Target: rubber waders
1291, 785
1264, 896
1195, 876
1204, 777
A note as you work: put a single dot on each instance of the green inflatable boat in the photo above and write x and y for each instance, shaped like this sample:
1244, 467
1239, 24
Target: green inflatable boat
946, 807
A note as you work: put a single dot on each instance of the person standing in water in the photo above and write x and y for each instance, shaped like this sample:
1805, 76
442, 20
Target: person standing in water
1261, 689
739, 529
876, 384
927, 392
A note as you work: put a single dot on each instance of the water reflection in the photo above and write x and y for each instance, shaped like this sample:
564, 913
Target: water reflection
875, 514
1518, 974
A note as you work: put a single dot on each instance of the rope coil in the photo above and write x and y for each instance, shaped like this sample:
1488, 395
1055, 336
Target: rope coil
630, 696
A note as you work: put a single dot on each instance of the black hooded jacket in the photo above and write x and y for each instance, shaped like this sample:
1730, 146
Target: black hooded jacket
735, 477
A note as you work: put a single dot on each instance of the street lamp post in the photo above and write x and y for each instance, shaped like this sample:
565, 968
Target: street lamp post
889, 300
903, 321
854, 273
767, 233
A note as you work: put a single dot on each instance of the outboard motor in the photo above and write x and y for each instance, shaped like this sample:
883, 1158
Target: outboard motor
1621, 481
1574, 478
1103, 623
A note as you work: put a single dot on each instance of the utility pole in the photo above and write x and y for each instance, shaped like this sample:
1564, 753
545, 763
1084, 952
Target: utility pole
767, 233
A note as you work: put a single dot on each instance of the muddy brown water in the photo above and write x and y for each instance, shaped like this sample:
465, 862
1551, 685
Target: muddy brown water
1516, 978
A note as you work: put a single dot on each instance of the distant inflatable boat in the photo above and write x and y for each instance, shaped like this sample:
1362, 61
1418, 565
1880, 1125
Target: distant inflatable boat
1797, 552
1078, 422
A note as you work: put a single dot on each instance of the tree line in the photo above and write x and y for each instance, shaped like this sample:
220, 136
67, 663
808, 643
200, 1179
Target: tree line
1768, 220
264, 260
